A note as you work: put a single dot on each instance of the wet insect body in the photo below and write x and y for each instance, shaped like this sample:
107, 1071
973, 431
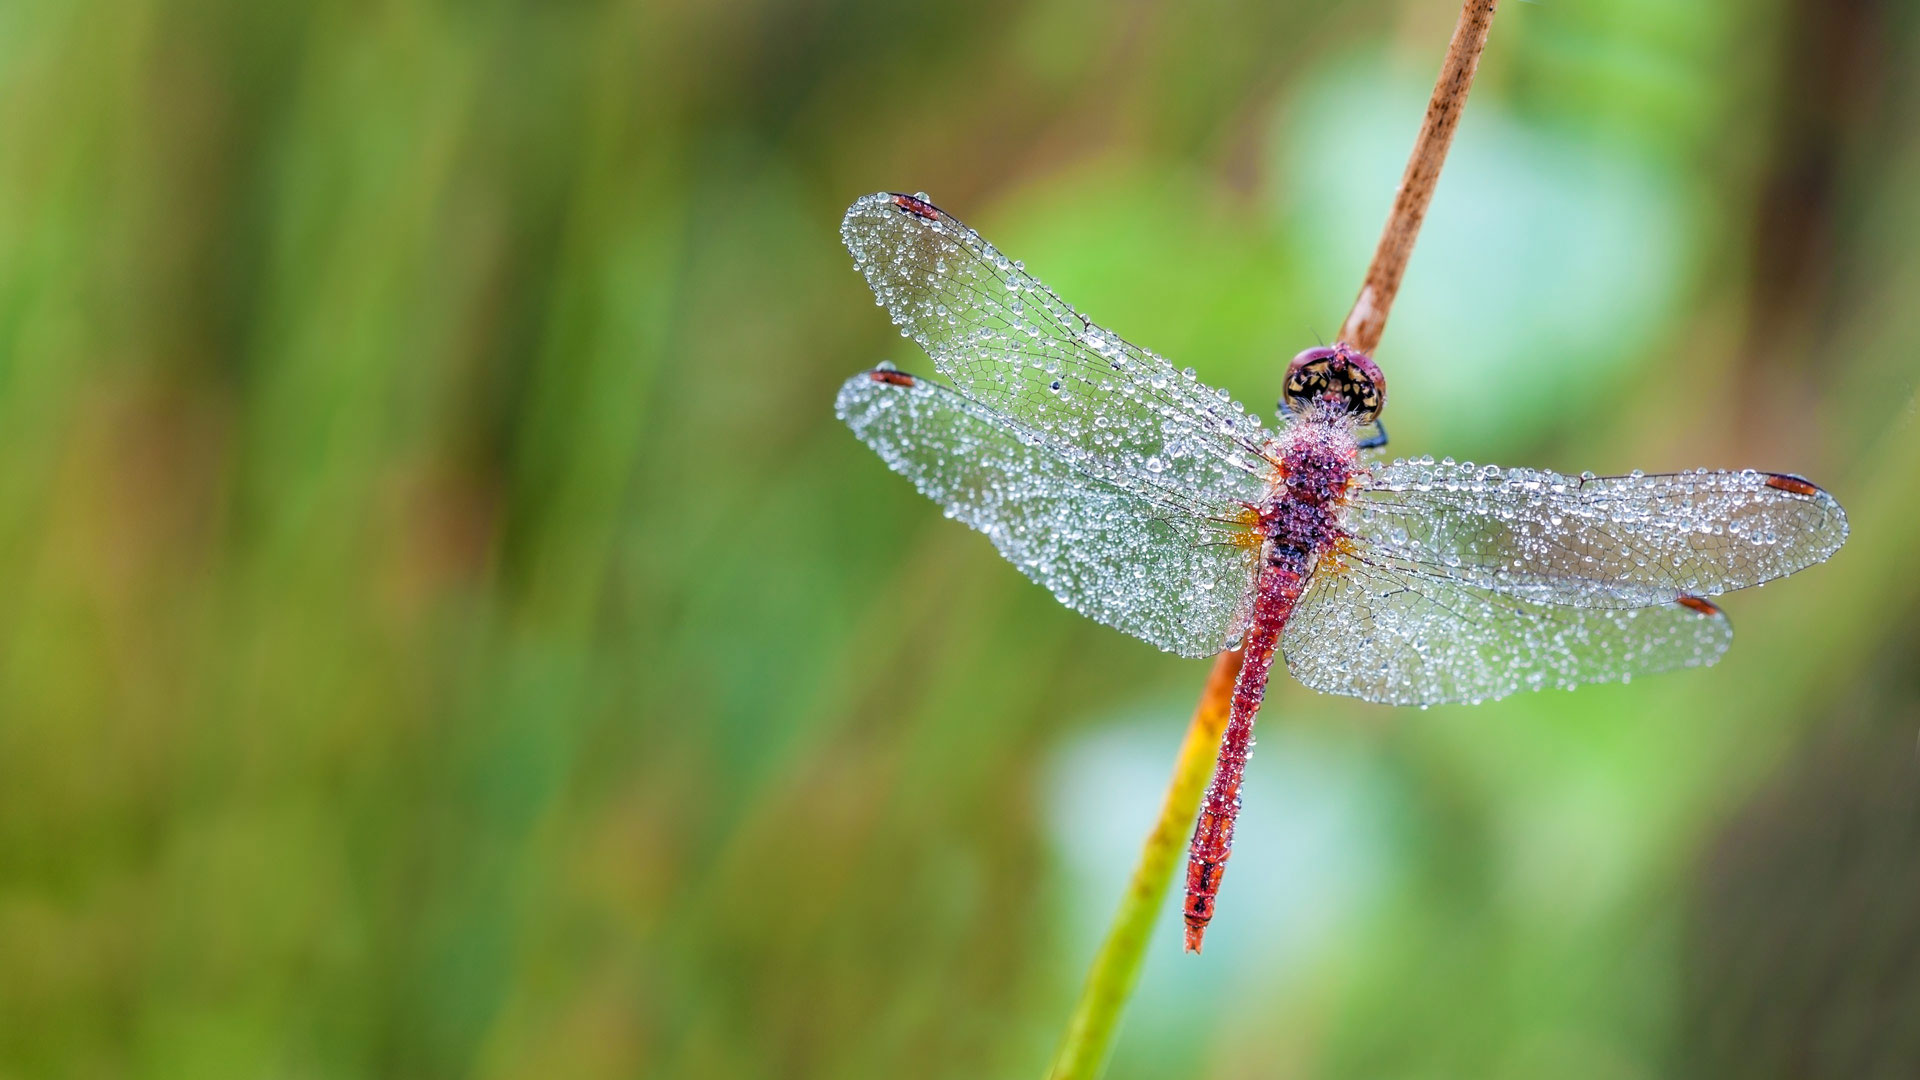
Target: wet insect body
1156, 505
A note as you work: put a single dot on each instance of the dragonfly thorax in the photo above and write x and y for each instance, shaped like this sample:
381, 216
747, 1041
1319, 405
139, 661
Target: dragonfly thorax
1318, 457
1317, 460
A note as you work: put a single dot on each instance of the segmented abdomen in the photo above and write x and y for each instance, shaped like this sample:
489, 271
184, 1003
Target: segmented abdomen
1281, 582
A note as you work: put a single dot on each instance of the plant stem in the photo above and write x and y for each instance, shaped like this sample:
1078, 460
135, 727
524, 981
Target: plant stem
1116, 969
1083, 1054
1368, 319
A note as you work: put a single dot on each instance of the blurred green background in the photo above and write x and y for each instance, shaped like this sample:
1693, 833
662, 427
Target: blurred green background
447, 633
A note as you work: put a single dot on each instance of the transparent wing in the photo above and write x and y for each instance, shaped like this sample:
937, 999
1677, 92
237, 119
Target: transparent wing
1006, 341
1609, 541
1380, 633
1151, 569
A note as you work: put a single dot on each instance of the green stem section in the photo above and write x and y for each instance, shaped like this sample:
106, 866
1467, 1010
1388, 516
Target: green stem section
1096, 1020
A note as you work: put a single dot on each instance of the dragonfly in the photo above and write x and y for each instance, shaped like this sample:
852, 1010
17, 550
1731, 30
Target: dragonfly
1159, 506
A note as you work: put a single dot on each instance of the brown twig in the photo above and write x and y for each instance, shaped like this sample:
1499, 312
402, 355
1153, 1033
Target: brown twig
1096, 1019
1368, 319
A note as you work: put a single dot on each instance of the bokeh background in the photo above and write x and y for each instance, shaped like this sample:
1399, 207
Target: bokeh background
446, 633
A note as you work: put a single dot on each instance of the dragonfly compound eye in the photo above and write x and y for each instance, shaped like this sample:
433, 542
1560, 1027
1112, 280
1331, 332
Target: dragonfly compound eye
1335, 375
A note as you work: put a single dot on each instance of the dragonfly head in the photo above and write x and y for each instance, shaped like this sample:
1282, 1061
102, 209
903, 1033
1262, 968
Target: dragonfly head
1335, 375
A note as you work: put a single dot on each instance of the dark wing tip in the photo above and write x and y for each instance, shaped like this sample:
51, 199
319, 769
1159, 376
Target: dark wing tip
857, 394
915, 205
878, 223
1833, 525
1700, 604
881, 203
891, 377
1793, 485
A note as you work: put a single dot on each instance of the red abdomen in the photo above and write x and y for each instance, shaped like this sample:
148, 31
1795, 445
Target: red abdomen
1281, 582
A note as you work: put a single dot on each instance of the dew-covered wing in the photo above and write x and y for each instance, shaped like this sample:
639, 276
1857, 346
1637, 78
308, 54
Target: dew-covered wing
1006, 341
1151, 569
1608, 541
1386, 635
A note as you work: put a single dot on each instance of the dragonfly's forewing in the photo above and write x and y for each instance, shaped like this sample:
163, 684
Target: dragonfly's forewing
1147, 567
1007, 342
1610, 541
1380, 633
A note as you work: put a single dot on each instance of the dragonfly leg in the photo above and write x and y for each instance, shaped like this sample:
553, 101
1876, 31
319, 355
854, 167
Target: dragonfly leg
1375, 438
